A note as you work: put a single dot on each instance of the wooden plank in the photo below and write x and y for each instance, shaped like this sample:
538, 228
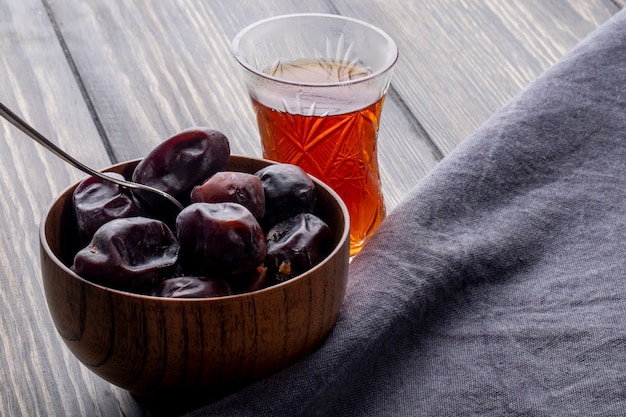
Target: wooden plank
462, 60
161, 68
157, 72
37, 375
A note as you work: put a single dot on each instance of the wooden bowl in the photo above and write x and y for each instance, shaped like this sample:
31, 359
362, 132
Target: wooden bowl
197, 349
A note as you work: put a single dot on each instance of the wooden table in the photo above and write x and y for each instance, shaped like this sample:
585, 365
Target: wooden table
108, 81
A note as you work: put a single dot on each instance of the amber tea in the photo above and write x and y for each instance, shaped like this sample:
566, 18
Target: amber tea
336, 146
317, 83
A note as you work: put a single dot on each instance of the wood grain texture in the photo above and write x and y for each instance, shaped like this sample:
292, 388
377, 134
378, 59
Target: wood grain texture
36, 374
118, 77
172, 68
460, 61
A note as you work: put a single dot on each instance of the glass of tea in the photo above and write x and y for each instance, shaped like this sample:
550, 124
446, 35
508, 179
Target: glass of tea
317, 84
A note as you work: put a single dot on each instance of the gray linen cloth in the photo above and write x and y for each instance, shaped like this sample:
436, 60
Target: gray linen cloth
498, 287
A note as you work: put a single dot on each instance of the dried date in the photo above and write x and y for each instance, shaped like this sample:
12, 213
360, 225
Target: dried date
288, 191
97, 202
183, 161
296, 245
219, 238
128, 254
191, 287
236, 187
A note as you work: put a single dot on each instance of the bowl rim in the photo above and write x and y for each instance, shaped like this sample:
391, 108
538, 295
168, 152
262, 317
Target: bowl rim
345, 236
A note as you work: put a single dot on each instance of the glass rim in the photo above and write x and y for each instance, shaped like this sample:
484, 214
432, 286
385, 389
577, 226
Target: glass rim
384, 68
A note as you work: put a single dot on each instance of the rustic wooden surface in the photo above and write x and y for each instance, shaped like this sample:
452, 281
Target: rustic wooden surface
109, 80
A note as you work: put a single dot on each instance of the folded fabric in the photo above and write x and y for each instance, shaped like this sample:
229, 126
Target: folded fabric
498, 287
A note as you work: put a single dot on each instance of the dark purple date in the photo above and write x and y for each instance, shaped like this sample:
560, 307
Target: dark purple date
183, 161
219, 238
254, 280
288, 191
236, 187
191, 287
296, 245
128, 254
97, 202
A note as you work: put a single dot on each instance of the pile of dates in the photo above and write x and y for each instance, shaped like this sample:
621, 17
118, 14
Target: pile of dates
238, 232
